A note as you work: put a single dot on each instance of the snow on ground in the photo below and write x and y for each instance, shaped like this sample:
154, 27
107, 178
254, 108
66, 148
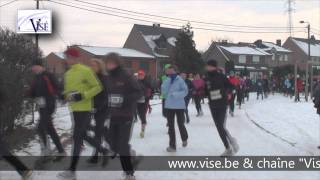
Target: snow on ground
276, 126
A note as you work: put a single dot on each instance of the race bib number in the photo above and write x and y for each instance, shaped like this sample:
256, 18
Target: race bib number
142, 100
215, 95
115, 100
41, 102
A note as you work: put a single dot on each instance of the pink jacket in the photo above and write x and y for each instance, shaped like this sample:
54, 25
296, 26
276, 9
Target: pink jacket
198, 87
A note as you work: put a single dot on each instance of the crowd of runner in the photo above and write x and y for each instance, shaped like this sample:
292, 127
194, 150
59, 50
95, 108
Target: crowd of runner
116, 99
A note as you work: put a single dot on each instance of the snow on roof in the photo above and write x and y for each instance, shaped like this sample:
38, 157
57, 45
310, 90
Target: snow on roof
276, 47
60, 55
124, 52
150, 40
243, 67
172, 41
243, 50
263, 51
239, 67
160, 55
314, 48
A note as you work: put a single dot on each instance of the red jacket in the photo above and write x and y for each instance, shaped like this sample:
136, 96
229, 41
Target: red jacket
299, 85
234, 81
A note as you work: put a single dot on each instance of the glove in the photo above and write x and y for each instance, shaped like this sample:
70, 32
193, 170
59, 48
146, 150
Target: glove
74, 97
229, 97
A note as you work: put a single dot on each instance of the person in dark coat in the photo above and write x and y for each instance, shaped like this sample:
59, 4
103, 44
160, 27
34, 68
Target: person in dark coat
44, 90
316, 98
143, 102
189, 95
100, 102
266, 84
123, 93
259, 87
20, 167
217, 87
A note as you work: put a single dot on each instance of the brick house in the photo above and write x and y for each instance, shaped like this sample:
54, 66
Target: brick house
239, 57
55, 64
280, 55
133, 60
299, 48
153, 40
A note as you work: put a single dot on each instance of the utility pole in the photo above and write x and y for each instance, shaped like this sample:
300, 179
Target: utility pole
307, 63
37, 54
37, 35
307, 66
310, 60
296, 91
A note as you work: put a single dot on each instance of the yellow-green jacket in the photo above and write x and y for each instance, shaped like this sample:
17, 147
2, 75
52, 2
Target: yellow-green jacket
80, 78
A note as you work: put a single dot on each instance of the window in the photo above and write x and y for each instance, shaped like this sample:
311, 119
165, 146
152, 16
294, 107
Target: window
315, 59
256, 59
281, 58
273, 57
242, 59
285, 57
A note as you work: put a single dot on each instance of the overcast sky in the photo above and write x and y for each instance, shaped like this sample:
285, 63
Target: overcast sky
83, 27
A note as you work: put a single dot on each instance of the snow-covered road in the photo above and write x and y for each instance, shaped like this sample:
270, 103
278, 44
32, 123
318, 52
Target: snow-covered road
276, 126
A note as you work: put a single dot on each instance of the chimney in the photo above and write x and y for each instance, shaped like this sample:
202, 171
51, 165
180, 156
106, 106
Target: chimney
313, 38
278, 42
156, 25
258, 43
224, 42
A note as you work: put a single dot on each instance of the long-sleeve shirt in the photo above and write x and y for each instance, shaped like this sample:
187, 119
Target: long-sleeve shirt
82, 79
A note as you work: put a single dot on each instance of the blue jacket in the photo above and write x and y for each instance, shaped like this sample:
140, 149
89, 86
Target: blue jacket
175, 92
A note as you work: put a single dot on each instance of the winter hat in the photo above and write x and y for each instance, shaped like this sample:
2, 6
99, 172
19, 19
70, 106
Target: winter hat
167, 66
212, 62
72, 52
141, 72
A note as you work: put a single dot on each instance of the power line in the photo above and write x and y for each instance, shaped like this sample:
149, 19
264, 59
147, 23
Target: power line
184, 20
60, 37
8, 3
164, 23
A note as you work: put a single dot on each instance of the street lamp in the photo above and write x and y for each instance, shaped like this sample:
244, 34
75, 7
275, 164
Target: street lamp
307, 64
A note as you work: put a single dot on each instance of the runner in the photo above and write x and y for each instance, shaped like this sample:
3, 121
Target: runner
163, 79
299, 84
100, 107
235, 82
123, 93
143, 102
259, 87
175, 90
45, 89
189, 96
266, 88
80, 87
217, 86
198, 91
